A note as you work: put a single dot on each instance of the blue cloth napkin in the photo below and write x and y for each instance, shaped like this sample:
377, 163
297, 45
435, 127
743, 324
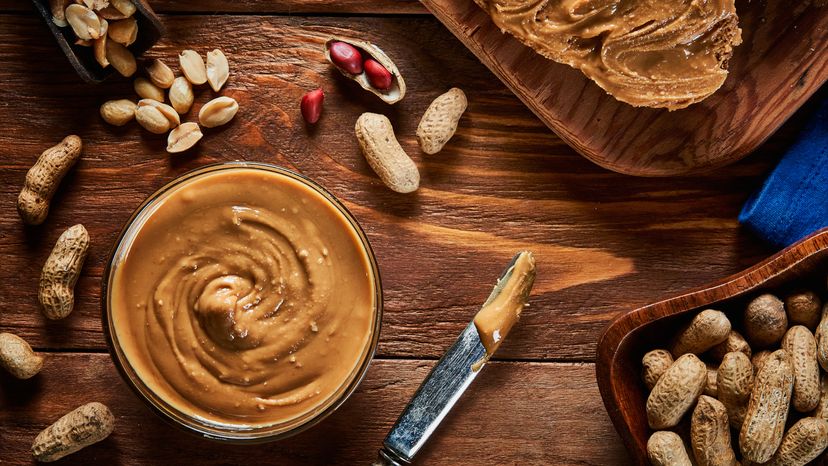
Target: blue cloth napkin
793, 202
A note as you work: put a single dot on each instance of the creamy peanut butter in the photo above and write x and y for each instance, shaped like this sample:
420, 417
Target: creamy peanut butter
245, 298
652, 53
497, 317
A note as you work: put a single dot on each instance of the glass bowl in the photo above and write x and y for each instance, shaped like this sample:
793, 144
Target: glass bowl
233, 433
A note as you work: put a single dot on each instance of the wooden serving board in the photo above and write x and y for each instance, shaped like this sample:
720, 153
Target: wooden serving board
783, 59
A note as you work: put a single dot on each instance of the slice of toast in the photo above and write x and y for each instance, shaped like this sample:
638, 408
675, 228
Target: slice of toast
647, 53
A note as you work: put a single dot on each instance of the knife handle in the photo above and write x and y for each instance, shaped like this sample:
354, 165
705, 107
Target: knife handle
386, 457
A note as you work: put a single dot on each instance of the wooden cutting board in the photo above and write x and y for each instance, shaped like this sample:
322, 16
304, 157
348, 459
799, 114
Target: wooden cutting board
783, 59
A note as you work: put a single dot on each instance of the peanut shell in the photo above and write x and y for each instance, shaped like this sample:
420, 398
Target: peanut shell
656, 363
80, 428
676, 392
17, 357
395, 92
710, 434
767, 410
765, 321
43, 178
707, 329
803, 442
665, 448
801, 345
384, 153
439, 122
734, 382
61, 272
734, 342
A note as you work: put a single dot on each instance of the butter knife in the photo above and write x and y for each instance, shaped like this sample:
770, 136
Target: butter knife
461, 364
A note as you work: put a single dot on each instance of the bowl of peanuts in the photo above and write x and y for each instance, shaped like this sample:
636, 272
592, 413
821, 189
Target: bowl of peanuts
735, 372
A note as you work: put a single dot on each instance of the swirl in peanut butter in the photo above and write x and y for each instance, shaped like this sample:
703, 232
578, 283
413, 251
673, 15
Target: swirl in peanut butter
246, 298
644, 52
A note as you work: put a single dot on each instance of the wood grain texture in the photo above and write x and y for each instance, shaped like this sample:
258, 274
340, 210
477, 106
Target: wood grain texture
782, 61
625, 341
605, 243
546, 399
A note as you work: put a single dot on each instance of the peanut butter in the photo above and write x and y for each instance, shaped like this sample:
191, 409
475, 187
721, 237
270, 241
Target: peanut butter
245, 298
644, 52
497, 317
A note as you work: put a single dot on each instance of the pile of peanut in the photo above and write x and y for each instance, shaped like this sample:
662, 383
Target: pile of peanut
765, 387
367, 65
91, 422
156, 116
108, 26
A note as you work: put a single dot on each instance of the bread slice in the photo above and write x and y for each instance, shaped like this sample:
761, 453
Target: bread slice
647, 53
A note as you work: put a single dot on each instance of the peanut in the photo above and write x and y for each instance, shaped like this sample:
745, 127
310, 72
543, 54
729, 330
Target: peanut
765, 321
99, 45
183, 137
803, 308
126, 7
800, 344
377, 75
152, 119
734, 342
384, 153
381, 76
78, 429
121, 58
821, 410
181, 95
767, 409
439, 122
161, 75
110, 13
169, 113
217, 112
710, 434
804, 441
61, 272
147, 90
734, 382
118, 112
123, 31
656, 363
311, 105
711, 383
84, 22
43, 179
822, 339
665, 448
707, 329
192, 65
17, 357
346, 57
676, 391
218, 70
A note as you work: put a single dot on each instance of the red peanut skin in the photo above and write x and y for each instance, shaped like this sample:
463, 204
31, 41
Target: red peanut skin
378, 75
347, 57
311, 105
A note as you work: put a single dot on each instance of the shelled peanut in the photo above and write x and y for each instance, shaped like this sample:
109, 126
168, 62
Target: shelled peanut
107, 26
744, 406
161, 85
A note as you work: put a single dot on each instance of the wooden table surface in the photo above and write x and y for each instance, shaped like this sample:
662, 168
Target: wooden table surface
605, 243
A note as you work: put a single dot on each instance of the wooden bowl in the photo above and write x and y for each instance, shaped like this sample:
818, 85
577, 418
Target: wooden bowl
624, 342
150, 30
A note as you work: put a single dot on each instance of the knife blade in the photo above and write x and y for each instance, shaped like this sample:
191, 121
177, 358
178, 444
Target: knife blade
443, 386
